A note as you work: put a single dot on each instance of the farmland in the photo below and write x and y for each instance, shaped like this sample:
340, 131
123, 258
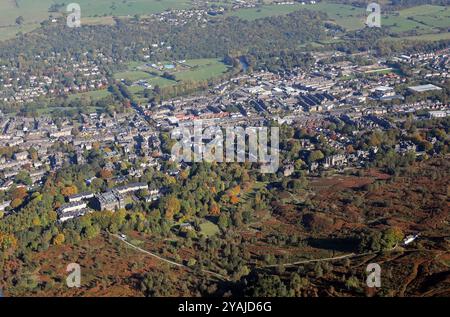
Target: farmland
37, 11
424, 19
95, 12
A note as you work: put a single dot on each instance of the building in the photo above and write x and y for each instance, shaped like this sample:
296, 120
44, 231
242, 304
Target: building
335, 160
109, 201
130, 188
80, 197
71, 210
21, 156
437, 114
4, 205
424, 88
288, 170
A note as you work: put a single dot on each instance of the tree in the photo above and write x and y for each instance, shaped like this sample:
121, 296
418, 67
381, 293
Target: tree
267, 286
215, 209
315, 156
7, 242
352, 283
19, 193
105, 173
23, 177
20, 20
172, 207
69, 191
391, 237
223, 221
59, 239
16, 203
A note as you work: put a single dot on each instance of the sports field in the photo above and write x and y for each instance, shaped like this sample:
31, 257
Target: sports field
191, 70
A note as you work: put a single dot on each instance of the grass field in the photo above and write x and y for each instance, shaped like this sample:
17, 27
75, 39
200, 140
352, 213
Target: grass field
31, 10
37, 10
209, 229
127, 7
200, 69
345, 15
93, 95
424, 37
92, 12
9, 32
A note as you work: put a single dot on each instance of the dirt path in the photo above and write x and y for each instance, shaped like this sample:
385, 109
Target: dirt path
345, 256
166, 260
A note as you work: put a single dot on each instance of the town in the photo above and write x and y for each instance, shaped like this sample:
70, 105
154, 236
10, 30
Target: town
327, 96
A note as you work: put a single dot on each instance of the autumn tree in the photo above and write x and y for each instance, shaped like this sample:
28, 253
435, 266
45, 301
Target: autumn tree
7, 242
172, 206
59, 239
69, 191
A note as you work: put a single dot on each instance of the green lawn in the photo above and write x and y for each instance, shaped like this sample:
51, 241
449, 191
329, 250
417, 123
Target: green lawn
201, 69
133, 75
93, 95
209, 229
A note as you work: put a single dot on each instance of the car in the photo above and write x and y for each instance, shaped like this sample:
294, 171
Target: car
122, 236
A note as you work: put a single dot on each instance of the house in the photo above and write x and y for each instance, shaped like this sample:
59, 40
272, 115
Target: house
288, 170
6, 185
154, 194
21, 156
335, 160
130, 188
71, 210
4, 205
437, 114
80, 197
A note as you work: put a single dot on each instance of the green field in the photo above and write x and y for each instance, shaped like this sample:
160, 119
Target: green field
345, 15
31, 10
200, 69
9, 32
424, 37
127, 7
209, 229
36, 11
93, 95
